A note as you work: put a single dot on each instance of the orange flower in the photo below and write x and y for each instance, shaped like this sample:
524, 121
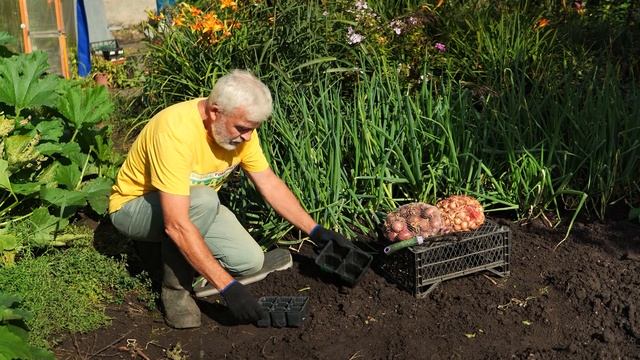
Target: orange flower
542, 23
228, 4
197, 26
178, 21
195, 11
211, 23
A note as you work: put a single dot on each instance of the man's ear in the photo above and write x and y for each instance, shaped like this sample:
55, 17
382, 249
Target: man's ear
212, 111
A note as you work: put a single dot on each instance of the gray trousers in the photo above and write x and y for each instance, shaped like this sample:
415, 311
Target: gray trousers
141, 220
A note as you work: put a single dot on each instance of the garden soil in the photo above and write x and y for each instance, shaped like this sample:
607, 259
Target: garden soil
579, 301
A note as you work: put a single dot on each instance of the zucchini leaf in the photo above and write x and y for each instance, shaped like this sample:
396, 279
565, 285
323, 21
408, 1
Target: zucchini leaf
23, 84
4, 176
62, 198
85, 106
97, 192
68, 175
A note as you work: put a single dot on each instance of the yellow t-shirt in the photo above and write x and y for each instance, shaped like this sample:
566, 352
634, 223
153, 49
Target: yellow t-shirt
174, 152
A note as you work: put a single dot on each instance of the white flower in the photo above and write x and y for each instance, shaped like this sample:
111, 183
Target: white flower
353, 37
397, 26
361, 5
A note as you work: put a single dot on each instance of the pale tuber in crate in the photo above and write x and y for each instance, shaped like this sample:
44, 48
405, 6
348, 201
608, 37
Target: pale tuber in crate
421, 268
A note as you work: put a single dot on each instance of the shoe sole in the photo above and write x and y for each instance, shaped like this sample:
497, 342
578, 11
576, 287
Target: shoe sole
274, 260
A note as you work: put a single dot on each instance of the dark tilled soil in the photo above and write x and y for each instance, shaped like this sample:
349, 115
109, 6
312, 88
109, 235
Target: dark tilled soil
580, 301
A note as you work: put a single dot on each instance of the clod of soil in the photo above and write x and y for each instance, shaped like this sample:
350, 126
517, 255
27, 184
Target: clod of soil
581, 301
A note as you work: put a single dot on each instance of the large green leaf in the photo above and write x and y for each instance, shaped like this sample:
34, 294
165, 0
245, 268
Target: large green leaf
51, 130
85, 105
23, 84
6, 39
7, 300
6, 126
69, 150
14, 345
48, 175
8, 242
4, 176
26, 188
68, 175
97, 192
62, 197
44, 225
21, 149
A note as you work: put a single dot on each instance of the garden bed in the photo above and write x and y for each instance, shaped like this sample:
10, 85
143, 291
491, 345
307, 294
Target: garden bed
579, 301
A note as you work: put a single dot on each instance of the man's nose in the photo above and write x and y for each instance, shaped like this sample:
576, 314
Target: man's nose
246, 136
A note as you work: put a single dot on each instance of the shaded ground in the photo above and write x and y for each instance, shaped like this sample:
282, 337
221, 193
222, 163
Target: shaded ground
580, 301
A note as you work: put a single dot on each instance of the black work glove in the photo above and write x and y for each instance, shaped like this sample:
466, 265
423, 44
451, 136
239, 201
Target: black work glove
321, 236
241, 303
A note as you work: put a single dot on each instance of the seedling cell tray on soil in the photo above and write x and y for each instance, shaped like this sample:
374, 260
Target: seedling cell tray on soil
420, 268
283, 311
349, 263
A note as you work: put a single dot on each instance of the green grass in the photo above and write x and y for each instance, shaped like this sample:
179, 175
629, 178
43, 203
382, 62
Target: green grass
68, 290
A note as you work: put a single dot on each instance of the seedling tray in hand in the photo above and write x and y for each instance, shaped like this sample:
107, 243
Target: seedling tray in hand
349, 263
283, 311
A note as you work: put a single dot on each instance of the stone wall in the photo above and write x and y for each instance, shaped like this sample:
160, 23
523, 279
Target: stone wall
126, 13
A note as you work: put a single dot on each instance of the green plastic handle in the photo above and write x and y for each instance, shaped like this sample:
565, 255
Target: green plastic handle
403, 244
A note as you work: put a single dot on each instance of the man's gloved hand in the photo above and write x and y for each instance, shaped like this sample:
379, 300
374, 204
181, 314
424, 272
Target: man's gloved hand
241, 303
322, 236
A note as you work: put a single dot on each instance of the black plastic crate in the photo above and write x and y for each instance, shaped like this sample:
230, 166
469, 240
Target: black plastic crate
283, 311
421, 268
349, 263
109, 50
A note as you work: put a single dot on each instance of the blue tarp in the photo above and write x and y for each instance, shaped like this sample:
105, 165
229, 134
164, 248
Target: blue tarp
163, 3
84, 47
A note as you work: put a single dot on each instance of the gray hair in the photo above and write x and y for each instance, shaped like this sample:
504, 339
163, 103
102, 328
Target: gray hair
241, 90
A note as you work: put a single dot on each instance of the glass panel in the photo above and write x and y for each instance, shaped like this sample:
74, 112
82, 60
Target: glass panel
10, 22
52, 48
42, 16
68, 14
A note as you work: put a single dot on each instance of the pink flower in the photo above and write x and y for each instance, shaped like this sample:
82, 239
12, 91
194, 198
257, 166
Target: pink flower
440, 47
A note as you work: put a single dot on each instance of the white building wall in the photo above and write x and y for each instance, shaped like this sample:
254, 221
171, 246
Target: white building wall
126, 13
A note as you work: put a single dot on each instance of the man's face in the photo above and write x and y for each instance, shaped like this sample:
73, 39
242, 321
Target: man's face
229, 129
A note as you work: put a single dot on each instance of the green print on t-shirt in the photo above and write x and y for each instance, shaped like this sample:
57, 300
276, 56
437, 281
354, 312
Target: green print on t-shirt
212, 179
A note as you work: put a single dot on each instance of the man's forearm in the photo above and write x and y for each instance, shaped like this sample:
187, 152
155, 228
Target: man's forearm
192, 246
285, 203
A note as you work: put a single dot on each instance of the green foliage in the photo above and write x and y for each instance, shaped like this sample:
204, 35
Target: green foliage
5, 41
23, 84
14, 334
516, 105
634, 214
84, 108
68, 290
55, 152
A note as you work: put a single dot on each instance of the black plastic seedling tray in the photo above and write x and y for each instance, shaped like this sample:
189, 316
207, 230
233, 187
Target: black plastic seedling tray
349, 263
283, 311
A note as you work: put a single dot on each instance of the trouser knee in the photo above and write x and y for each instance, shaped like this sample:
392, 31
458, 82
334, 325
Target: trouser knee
250, 263
204, 207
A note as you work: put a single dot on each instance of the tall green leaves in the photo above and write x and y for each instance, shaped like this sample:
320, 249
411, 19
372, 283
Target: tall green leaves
512, 112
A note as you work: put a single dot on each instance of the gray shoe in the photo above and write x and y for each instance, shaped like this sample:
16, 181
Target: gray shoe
274, 260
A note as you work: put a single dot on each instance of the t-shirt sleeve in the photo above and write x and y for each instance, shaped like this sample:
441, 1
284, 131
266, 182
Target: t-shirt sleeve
253, 159
170, 162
